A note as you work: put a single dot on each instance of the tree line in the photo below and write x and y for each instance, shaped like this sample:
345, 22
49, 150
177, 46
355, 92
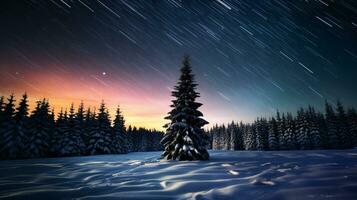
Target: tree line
70, 133
336, 128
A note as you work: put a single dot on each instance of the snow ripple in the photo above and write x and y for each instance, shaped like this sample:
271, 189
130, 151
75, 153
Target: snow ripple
227, 175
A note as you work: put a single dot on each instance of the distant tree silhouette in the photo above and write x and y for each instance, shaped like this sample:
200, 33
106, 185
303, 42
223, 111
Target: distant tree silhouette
8, 137
119, 138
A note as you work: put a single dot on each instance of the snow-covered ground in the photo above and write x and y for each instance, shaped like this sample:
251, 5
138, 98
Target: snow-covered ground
227, 175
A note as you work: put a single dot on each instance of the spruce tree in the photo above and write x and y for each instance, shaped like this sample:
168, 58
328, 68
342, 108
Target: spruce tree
262, 134
343, 128
100, 135
273, 135
352, 121
72, 143
323, 130
58, 133
19, 135
185, 138
334, 139
129, 138
232, 131
39, 131
240, 137
303, 130
251, 137
315, 134
1, 109
7, 127
290, 133
119, 139
89, 120
80, 119
283, 139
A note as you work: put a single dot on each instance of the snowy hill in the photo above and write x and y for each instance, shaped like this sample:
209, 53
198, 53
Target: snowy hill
227, 175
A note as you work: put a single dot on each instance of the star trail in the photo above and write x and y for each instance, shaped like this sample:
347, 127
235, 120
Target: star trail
250, 57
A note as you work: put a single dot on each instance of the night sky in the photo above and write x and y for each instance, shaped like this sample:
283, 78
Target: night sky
250, 57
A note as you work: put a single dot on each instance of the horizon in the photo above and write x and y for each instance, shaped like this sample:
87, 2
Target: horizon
249, 58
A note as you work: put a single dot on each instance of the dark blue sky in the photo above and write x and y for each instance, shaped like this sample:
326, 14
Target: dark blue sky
249, 57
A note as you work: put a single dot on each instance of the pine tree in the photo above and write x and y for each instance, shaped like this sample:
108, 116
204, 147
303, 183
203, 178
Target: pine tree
1, 109
273, 135
88, 124
303, 130
283, 139
100, 135
262, 135
19, 135
323, 130
240, 137
331, 126
72, 143
58, 133
8, 139
119, 139
352, 121
185, 138
215, 137
315, 134
39, 131
129, 137
343, 128
2, 119
80, 119
251, 137
290, 133
233, 132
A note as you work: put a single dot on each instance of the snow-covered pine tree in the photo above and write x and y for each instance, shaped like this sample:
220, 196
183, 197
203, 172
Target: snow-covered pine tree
57, 136
303, 130
315, 135
119, 136
214, 136
251, 137
72, 143
283, 139
343, 128
239, 137
129, 137
185, 138
143, 141
233, 131
232, 136
331, 125
261, 134
19, 135
135, 139
273, 135
80, 117
265, 132
352, 121
100, 140
323, 130
1, 109
39, 131
2, 118
221, 137
227, 138
290, 133
8, 139
89, 121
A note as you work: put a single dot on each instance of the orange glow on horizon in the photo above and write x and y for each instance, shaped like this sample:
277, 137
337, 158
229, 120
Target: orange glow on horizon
63, 89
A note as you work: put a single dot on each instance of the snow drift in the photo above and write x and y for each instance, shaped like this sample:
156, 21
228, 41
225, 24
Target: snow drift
227, 175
